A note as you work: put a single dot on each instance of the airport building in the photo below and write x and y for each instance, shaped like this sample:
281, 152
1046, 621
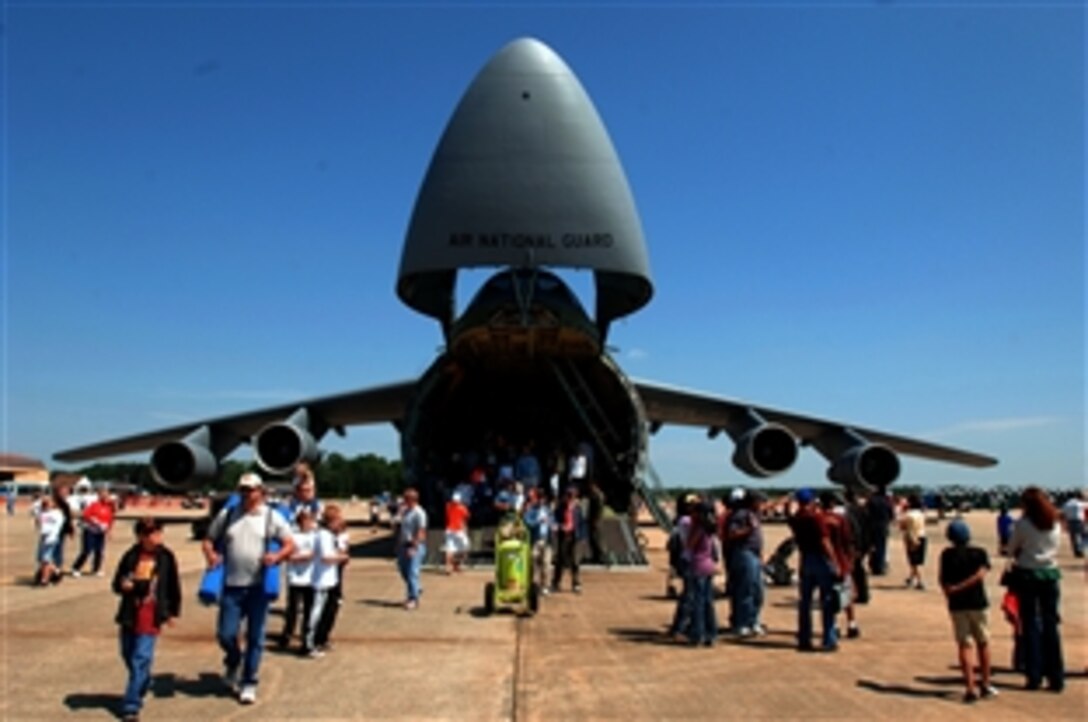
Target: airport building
18, 468
26, 475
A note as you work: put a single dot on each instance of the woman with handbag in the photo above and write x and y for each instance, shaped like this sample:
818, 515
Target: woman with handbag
1033, 548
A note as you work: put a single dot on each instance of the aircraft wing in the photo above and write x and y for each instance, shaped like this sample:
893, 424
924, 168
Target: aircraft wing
365, 406
668, 405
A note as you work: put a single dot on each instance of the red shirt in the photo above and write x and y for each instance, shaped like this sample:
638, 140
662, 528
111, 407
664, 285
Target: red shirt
99, 515
456, 516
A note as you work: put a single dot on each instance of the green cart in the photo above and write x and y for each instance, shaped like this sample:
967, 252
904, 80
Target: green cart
513, 583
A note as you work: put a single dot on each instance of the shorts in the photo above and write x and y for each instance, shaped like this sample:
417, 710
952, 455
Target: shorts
456, 542
971, 624
47, 552
917, 555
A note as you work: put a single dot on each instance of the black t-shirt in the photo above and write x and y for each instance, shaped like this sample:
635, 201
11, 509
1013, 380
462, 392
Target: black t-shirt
958, 564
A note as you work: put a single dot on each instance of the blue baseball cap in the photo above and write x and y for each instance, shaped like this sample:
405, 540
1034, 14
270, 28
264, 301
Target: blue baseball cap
803, 496
958, 532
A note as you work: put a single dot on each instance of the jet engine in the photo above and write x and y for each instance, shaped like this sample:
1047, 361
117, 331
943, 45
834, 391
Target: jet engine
282, 444
178, 464
765, 450
864, 467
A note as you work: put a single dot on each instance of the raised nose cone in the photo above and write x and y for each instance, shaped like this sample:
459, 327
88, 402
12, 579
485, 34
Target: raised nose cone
525, 175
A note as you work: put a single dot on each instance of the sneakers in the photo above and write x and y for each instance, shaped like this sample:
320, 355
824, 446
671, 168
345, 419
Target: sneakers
853, 632
100, 574
315, 654
130, 717
411, 604
545, 591
248, 695
987, 692
970, 697
76, 573
746, 632
759, 630
577, 588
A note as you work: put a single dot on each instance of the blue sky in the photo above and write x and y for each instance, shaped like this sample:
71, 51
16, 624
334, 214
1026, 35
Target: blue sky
871, 213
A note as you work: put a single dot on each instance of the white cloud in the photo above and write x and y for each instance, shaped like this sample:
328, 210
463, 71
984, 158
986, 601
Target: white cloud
637, 354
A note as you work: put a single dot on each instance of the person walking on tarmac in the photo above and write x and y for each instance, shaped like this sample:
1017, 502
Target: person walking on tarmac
570, 529
245, 533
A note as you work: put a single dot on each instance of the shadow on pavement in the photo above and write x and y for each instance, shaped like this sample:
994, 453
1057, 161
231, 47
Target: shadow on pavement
906, 691
646, 636
207, 684
109, 702
384, 603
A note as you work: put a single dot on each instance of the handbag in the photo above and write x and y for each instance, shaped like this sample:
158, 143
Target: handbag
211, 585
214, 578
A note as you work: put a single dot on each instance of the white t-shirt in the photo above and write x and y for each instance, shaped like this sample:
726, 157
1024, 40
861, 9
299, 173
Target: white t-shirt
1033, 548
49, 525
327, 573
578, 466
1073, 509
245, 541
301, 573
412, 522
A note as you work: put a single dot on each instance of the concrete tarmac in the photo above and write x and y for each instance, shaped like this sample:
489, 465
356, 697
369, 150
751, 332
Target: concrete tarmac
599, 655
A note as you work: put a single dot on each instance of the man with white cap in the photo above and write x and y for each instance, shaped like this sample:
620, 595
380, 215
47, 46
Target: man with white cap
245, 531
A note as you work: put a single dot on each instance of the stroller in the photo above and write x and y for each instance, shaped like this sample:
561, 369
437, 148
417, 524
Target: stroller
513, 583
777, 569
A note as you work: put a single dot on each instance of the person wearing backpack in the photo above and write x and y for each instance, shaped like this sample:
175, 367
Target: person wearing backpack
858, 524
745, 567
246, 533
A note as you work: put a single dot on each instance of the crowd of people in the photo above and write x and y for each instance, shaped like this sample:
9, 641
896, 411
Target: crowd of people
842, 541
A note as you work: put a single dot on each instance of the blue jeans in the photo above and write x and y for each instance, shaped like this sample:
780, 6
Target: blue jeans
1039, 619
704, 618
746, 588
878, 557
237, 603
138, 651
681, 618
816, 574
93, 544
409, 567
1076, 536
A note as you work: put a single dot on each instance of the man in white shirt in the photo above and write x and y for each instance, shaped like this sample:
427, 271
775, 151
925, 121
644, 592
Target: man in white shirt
411, 545
245, 534
1073, 514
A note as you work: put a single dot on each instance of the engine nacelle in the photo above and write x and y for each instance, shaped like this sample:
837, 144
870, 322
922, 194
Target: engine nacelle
865, 467
282, 444
765, 450
180, 464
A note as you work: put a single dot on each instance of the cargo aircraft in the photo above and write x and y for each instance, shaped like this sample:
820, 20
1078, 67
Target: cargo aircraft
525, 180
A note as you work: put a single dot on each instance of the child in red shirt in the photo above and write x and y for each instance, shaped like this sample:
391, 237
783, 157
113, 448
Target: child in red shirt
147, 580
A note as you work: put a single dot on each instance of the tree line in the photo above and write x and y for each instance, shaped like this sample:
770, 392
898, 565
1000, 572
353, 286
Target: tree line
337, 475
